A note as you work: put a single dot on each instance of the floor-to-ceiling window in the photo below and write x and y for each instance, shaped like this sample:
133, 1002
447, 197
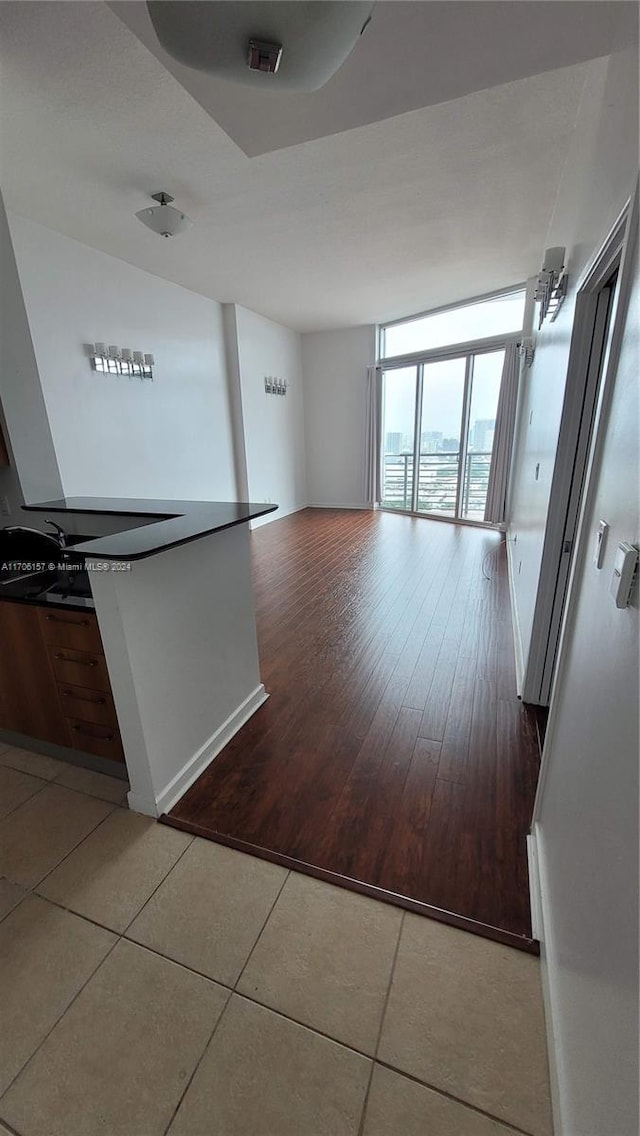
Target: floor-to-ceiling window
441, 385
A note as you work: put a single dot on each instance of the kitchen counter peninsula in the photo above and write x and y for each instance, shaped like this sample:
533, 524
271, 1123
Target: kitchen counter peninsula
174, 602
163, 524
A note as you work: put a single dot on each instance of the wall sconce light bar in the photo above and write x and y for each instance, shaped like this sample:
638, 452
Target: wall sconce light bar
114, 360
551, 285
272, 385
527, 350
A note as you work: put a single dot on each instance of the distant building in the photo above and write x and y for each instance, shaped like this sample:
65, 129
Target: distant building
450, 445
393, 443
430, 442
482, 434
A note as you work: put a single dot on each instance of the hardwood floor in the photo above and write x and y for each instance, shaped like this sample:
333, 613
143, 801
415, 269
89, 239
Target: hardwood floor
393, 755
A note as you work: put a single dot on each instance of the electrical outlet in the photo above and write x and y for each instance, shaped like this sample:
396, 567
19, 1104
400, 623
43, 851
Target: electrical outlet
5, 509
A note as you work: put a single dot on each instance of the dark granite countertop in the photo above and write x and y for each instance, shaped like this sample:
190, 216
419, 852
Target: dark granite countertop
163, 524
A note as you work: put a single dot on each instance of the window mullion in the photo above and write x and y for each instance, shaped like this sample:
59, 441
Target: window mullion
417, 439
464, 433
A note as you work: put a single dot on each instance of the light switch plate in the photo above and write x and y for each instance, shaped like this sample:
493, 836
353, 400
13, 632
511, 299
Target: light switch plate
624, 573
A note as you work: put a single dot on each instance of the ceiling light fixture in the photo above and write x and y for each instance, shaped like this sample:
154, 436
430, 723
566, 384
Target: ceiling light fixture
163, 218
285, 45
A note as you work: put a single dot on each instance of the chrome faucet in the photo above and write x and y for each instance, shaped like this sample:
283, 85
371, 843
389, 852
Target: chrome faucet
60, 533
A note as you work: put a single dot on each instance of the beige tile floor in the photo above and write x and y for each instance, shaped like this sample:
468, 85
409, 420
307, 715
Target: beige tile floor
154, 983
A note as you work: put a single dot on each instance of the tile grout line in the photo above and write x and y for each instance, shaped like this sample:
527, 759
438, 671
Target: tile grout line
260, 932
72, 788
75, 847
21, 900
365, 1103
159, 885
509, 1125
57, 1021
10, 1129
105, 926
35, 793
198, 1062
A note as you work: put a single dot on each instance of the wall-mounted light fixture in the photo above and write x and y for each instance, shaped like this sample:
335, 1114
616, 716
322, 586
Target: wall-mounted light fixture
274, 386
551, 284
526, 349
114, 360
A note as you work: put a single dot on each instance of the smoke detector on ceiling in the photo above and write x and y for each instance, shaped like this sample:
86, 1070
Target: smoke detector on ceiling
163, 219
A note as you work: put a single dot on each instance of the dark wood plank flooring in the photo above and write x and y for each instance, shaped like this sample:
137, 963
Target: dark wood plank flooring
393, 755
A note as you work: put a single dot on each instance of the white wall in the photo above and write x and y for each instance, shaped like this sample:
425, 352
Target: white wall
273, 425
334, 365
34, 474
587, 811
183, 660
113, 436
586, 817
598, 178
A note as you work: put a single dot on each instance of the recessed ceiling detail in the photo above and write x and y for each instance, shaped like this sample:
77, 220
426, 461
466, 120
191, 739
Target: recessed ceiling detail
280, 46
414, 54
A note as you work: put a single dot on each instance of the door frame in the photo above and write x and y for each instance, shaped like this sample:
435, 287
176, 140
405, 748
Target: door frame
578, 434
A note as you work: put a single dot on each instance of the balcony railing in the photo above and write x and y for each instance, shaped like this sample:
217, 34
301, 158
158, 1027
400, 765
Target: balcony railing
437, 483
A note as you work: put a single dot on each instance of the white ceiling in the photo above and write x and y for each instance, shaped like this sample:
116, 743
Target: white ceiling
360, 226
411, 55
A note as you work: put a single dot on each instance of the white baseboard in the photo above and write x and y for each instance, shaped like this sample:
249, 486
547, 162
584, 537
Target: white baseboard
317, 505
144, 805
189, 773
276, 516
517, 636
534, 888
543, 931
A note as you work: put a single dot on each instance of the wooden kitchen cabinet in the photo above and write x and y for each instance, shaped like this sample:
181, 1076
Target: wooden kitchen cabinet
29, 702
54, 683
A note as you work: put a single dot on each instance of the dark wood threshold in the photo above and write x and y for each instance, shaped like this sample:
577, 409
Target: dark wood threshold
520, 942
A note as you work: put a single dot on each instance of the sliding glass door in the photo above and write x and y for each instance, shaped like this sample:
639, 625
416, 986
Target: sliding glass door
438, 425
484, 391
400, 389
443, 386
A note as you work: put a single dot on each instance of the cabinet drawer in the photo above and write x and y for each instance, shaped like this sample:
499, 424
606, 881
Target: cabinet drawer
103, 741
75, 629
88, 705
80, 668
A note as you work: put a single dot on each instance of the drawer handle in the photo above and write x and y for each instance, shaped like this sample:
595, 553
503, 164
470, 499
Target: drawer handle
73, 622
90, 734
79, 662
84, 698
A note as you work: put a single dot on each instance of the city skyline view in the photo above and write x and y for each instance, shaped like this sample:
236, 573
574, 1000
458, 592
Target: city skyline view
442, 405
481, 433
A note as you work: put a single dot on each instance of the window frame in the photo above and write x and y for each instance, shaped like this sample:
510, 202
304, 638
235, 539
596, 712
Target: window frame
479, 347
432, 353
